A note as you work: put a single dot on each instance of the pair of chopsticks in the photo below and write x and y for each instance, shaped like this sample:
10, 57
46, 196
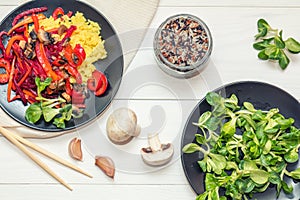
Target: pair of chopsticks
20, 142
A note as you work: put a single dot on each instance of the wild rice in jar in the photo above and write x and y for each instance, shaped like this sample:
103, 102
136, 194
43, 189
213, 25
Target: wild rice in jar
183, 43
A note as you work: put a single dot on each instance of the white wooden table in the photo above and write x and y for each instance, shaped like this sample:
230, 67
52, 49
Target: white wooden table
233, 25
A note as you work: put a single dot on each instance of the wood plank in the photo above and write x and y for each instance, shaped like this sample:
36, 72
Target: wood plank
112, 192
229, 3
200, 3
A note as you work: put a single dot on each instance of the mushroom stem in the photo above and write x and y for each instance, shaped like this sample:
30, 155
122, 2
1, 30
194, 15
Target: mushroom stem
154, 142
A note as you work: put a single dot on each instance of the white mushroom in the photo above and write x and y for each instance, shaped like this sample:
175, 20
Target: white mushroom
122, 126
157, 154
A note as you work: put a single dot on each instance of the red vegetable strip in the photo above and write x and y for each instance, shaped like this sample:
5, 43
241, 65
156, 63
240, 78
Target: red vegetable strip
25, 21
10, 43
80, 53
103, 88
36, 23
28, 12
74, 72
25, 76
58, 11
20, 92
69, 33
41, 55
68, 87
10, 80
29, 93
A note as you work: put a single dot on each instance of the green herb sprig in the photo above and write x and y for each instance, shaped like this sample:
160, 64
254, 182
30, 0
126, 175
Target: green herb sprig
247, 163
272, 46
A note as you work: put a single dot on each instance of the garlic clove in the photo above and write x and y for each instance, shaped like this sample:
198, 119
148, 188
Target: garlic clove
75, 149
106, 164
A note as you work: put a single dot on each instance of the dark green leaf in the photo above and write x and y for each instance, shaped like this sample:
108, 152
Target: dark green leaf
41, 85
292, 45
229, 128
33, 113
200, 139
262, 55
261, 33
292, 156
270, 49
203, 165
283, 60
274, 178
259, 176
295, 174
219, 160
263, 44
210, 182
59, 122
275, 55
279, 43
204, 117
202, 196
191, 148
49, 113
286, 188
262, 23
212, 123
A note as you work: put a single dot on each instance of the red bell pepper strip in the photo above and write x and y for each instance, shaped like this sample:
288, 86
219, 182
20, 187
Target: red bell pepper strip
28, 12
68, 87
80, 54
68, 53
35, 23
69, 33
103, 88
11, 42
42, 58
74, 72
95, 82
25, 21
58, 12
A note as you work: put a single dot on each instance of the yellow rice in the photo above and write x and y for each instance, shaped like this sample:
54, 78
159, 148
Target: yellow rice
87, 35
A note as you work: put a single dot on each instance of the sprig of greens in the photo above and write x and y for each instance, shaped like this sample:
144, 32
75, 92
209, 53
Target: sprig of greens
272, 46
46, 108
247, 163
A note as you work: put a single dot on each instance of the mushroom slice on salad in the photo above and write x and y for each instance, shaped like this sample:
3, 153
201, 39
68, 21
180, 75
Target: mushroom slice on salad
157, 154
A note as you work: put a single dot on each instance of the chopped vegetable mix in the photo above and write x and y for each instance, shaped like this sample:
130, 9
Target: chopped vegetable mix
245, 150
42, 70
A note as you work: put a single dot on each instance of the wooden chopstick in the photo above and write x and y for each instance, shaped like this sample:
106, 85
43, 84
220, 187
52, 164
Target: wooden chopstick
20, 142
13, 140
49, 154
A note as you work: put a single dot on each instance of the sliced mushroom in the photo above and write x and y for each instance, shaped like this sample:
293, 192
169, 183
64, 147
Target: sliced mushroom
44, 36
157, 154
122, 126
61, 29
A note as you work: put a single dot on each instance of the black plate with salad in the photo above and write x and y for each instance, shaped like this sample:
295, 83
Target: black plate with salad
96, 94
280, 116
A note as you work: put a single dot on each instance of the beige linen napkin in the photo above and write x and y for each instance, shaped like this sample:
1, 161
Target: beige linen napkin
130, 18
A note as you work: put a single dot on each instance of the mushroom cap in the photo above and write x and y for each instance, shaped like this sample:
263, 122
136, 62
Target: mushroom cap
157, 158
115, 134
122, 125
